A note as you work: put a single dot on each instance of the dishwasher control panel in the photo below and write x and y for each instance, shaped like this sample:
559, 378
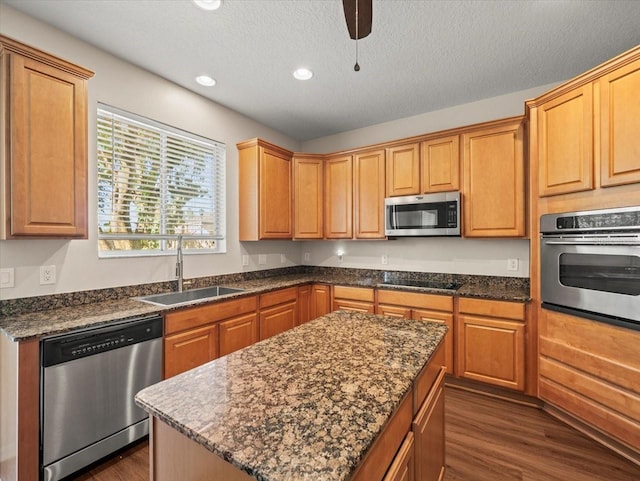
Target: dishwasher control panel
77, 345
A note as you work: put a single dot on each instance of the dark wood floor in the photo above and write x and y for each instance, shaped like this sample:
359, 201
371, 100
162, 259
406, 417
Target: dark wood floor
487, 440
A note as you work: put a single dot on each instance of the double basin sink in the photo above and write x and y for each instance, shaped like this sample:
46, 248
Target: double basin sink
173, 298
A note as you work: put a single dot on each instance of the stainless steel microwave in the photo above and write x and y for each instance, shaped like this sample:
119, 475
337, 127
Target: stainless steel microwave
423, 215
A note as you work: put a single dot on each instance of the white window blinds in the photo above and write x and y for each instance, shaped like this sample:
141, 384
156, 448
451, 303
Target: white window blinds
156, 182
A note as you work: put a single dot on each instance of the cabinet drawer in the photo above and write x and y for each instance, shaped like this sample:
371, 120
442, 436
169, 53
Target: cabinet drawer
416, 300
278, 297
353, 293
376, 463
199, 316
505, 309
344, 305
427, 377
394, 311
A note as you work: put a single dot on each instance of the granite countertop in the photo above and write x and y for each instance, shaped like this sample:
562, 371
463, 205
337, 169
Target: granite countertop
303, 405
60, 320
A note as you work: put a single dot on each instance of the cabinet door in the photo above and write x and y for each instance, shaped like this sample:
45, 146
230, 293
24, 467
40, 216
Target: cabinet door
440, 164
48, 155
369, 195
441, 318
278, 319
494, 184
403, 170
428, 427
304, 304
403, 466
320, 300
620, 126
189, 349
565, 139
491, 350
338, 198
275, 195
238, 333
308, 199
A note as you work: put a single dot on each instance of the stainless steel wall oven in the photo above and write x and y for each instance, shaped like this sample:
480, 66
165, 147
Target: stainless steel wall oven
590, 264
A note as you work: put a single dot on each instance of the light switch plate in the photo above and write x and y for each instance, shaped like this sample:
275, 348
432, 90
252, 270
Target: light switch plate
384, 259
245, 260
7, 279
283, 258
262, 259
307, 257
512, 264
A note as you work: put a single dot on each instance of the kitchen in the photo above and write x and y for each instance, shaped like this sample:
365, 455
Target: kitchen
79, 268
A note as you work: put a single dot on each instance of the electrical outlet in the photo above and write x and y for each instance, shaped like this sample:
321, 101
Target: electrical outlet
262, 259
245, 260
307, 257
283, 258
47, 275
7, 279
512, 264
384, 259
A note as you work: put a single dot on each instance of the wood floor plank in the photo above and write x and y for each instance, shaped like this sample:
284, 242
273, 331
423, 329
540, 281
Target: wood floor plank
490, 439
487, 439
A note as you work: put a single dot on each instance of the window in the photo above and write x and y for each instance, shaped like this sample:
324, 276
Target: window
156, 183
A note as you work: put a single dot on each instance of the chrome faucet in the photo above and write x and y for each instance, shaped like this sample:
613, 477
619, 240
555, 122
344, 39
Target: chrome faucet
179, 264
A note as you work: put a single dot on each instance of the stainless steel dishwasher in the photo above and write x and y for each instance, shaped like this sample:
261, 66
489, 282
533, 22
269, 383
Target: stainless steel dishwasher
88, 381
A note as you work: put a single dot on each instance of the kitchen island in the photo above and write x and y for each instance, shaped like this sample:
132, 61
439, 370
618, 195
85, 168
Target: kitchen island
334, 399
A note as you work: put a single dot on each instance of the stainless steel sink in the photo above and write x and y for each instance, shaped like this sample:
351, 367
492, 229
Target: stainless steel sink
173, 298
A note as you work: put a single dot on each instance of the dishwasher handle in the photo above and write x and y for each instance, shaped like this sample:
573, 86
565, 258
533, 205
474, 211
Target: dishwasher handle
90, 342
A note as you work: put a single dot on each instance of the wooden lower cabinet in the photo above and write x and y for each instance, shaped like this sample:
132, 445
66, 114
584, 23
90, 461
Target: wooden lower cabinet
403, 466
320, 300
424, 307
428, 428
360, 299
278, 312
304, 304
238, 333
189, 349
491, 342
278, 319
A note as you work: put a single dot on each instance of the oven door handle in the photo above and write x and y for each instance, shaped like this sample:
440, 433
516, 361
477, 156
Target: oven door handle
586, 242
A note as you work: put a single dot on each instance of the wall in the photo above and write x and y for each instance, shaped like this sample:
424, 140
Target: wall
130, 88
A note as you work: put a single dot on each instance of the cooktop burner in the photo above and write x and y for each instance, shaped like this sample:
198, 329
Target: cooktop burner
445, 286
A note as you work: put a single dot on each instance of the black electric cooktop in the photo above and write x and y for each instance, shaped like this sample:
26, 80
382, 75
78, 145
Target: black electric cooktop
444, 286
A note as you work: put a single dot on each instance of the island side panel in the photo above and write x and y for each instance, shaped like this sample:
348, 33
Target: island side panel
174, 456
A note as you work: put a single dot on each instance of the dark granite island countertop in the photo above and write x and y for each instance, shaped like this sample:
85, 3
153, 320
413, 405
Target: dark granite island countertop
304, 405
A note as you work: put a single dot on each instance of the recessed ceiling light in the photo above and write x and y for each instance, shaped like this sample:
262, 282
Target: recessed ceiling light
205, 80
208, 4
303, 74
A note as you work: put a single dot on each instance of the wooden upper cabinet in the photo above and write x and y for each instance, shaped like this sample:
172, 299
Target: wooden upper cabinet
620, 126
264, 191
338, 199
308, 198
44, 151
369, 193
494, 180
565, 143
440, 164
403, 170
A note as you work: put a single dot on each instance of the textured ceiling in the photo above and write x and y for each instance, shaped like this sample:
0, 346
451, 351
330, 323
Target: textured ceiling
421, 55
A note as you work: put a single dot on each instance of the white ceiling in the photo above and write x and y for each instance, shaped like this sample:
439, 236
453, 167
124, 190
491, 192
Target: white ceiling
421, 56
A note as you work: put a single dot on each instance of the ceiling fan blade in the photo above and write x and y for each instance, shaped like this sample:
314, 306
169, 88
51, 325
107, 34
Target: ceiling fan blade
365, 15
